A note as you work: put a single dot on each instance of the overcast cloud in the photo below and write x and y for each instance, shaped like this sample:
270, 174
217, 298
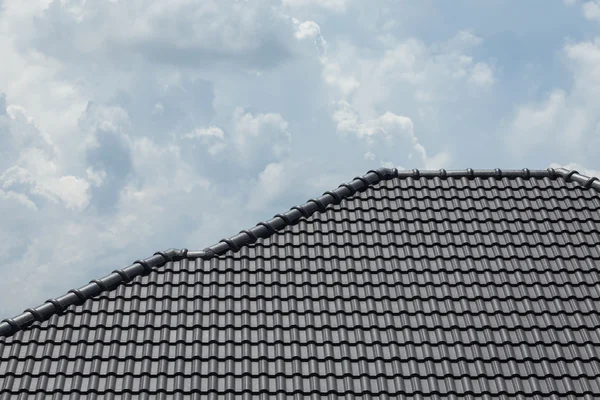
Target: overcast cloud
128, 127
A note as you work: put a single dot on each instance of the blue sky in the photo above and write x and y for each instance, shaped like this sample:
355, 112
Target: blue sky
128, 127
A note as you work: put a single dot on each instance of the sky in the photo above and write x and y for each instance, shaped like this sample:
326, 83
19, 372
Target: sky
129, 127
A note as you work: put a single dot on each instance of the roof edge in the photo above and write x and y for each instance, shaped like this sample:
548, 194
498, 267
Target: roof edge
265, 229
10, 326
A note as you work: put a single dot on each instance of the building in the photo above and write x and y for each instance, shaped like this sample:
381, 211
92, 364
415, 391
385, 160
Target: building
428, 284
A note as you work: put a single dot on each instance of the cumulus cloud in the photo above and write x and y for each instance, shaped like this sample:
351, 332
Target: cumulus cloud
333, 5
263, 136
99, 127
363, 89
482, 75
591, 10
180, 32
430, 74
250, 140
533, 122
212, 137
211, 131
333, 76
432, 68
270, 185
32, 170
308, 29
95, 177
385, 126
565, 122
390, 133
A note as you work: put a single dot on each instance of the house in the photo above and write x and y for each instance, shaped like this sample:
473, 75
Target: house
435, 284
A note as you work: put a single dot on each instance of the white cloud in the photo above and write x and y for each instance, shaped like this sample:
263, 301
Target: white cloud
223, 26
534, 122
386, 132
307, 30
406, 70
333, 5
333, 76
94, 158
591, 10
463, 40
19, 198
109, 118
162, 167
37, 169
270, 185
363, 88
213, 137
439, 160
566, 122
386, 125
263, 136
41, 177
95, 177
482, 75
206, 132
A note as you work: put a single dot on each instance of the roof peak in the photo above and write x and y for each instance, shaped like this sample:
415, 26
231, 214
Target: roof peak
265, 229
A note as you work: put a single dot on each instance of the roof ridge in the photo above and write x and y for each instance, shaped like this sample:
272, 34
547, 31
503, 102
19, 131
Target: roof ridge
265, 229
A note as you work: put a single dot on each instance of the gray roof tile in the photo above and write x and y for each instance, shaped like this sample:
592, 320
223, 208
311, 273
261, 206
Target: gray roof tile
421, 284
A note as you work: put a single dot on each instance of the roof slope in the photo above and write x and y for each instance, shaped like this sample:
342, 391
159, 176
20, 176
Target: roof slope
434, 283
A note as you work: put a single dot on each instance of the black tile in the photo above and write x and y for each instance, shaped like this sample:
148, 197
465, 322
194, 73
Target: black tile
430, 288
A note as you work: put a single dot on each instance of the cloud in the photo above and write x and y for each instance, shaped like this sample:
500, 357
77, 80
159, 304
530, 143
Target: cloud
106, 144
18, 131
307, 30
31, 167
95, 177
565, 122
482, 75
264, 136
385, 126
37, 175
102, 127
591, 10
212, 137
310, 30
181, 32
333, 5
393, 135
18, 199
333, 76
364, 89
211, 131
428, 76
534, 122
270, 185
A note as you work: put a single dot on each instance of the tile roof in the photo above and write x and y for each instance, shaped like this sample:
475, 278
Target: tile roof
398, 283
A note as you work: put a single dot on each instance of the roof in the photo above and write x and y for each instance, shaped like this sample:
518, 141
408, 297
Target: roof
398, 283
